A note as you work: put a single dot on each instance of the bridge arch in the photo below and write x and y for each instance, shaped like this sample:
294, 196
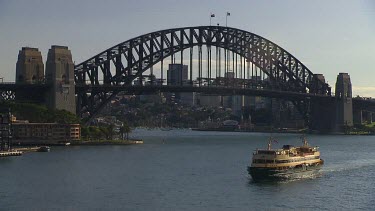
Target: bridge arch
133, 57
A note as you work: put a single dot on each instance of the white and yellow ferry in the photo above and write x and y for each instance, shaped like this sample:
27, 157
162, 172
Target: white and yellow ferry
288, 162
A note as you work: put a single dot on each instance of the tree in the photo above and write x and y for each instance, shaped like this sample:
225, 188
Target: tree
95, 132
125, 129
40, 114
85, 132
110, 129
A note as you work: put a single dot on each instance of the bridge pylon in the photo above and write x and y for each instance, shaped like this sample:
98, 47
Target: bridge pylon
60, 76
29, 67
29, 70
344, 103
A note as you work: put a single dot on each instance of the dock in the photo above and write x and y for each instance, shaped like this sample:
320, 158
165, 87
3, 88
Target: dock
107, 142
10, 153
28, 149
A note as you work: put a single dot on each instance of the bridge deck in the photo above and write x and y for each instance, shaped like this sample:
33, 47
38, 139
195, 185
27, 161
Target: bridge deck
137, 89
15, 87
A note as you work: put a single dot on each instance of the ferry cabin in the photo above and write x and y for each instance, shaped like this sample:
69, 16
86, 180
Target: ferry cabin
286, 157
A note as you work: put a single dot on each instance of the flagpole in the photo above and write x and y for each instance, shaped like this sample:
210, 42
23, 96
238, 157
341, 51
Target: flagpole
212, 15
226, 19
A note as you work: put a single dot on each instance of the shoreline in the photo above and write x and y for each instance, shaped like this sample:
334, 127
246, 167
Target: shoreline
283, 131
113, 142
19, 143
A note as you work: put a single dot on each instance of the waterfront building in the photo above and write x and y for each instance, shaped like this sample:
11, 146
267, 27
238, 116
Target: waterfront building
46, 131
55, 132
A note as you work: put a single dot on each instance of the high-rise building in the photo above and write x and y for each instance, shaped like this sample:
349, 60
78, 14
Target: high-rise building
177, 74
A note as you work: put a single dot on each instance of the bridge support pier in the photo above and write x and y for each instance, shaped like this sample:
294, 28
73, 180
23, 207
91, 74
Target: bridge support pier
357, 117
369, 117
323, 115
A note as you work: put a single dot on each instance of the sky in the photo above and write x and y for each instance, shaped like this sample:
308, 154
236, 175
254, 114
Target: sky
328, 36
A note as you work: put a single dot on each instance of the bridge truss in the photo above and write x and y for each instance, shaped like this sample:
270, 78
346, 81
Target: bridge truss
216, 56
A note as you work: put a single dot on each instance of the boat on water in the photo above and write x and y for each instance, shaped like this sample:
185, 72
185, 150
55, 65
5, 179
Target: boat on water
287, 163
44, 149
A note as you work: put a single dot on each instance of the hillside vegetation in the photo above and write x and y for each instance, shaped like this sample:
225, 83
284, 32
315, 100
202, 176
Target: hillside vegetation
39, 114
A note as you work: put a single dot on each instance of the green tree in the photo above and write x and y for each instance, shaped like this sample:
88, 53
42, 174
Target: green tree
85, 132
110, 133
40, 114
125, 129
95, 132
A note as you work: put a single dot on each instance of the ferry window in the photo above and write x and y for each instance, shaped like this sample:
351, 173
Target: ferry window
263, 161
266, 152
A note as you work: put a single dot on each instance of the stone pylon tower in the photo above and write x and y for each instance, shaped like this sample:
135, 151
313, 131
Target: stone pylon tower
60, 75
29, 67
29, 70
344, 106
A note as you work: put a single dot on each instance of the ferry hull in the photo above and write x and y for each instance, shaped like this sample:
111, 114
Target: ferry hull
273, 174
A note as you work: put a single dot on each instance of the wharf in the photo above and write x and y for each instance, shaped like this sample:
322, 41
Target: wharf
10, 153
255, 130
29, 149
107, 142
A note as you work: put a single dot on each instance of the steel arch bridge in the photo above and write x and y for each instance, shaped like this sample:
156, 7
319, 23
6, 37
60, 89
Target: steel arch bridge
118, 67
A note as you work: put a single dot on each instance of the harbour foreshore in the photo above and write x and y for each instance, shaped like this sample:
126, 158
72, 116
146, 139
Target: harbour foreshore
17, 143
10, 153
107, 142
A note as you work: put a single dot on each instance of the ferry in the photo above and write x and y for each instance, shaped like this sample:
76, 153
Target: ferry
287, 163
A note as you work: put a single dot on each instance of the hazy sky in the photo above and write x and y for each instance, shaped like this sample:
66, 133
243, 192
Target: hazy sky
328, 36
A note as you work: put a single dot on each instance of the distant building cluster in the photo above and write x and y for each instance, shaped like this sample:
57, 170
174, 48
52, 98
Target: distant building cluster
239, 105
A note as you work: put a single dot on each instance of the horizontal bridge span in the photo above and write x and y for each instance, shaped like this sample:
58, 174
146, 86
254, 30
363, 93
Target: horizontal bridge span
136, 89
23, 86
364, 104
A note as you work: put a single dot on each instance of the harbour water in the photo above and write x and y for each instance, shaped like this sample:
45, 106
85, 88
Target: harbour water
187, 170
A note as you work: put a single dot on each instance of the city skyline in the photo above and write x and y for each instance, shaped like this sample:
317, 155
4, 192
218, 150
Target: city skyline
327, 36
